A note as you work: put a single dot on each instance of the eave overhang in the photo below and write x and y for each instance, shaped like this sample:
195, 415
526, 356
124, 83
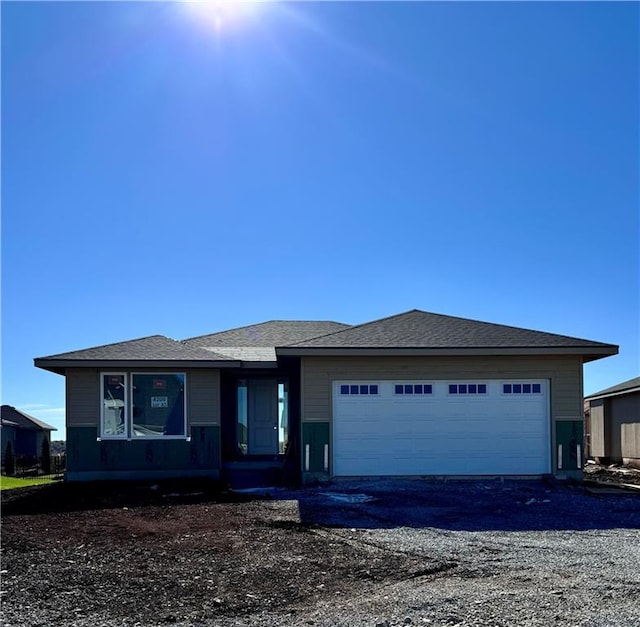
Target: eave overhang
59, 366
587, 353
597, 397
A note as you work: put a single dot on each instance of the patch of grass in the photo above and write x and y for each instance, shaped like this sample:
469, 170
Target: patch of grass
9, 483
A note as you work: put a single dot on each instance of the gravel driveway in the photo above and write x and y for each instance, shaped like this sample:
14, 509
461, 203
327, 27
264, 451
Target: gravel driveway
403, 552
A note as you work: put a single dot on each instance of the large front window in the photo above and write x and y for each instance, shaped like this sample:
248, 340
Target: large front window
141, 404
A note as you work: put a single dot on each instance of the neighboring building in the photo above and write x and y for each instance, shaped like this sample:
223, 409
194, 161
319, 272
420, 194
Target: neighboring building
413, 394
613, 423
25, 432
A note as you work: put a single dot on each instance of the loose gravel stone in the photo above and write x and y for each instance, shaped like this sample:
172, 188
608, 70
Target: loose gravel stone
465, 553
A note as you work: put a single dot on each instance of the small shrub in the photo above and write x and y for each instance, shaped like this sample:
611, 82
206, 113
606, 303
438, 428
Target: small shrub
9, 460
45, 457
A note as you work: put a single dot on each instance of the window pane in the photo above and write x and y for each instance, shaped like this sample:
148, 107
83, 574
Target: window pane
344, 389
364, 389
408, 389
462, 389
526, 388
482, 388
536, 388
399, 389
472, 388
241, 423
373, 389
283, 417
453, 389
158, 405
417, 389
428, 389
113, 405
517, 388
354, 389
506, 388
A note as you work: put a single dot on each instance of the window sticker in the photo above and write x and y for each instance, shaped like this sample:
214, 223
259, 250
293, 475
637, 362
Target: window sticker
159, 402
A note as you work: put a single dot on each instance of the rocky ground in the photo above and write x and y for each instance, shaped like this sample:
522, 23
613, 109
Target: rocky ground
373, 553
613, 474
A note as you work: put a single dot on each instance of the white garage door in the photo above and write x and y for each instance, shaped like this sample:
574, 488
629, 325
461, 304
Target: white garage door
440, 427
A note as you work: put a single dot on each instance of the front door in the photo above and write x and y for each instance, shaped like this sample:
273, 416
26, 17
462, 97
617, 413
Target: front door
262, 416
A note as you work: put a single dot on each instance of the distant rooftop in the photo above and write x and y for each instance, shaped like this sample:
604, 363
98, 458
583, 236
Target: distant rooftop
12, 417
627, 387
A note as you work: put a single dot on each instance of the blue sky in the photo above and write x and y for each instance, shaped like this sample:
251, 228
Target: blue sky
164, 172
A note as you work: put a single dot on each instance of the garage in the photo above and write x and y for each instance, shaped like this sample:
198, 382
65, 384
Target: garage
460, 427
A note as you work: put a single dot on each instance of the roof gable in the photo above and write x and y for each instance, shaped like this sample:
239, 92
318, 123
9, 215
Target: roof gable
420, 329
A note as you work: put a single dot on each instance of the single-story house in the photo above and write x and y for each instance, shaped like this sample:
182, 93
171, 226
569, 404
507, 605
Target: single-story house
25, 432
613, 423
414, 394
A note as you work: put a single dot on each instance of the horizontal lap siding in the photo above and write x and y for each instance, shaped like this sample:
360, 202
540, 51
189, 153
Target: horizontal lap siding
624, 414
204, 397
598, 441
83, 396
565, 374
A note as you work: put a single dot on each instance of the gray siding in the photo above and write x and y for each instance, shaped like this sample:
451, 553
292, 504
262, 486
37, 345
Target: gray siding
318, 373
615, 427
598, 432
83, 396
630, 441
624, 413
564, 374
203, 388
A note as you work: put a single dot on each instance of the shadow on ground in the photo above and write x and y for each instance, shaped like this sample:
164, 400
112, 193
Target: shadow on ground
518, 505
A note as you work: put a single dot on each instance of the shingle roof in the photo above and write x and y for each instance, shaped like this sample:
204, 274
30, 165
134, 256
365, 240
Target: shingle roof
272, 333
246, 353
152, 348
262, 342
632, 385
420, 329
13, 417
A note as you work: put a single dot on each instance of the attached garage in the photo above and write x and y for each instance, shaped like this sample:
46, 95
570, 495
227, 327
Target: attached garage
413, 394
493, 427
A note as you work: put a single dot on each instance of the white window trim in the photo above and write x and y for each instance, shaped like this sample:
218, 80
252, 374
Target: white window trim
125, 435
128, 404
160, 437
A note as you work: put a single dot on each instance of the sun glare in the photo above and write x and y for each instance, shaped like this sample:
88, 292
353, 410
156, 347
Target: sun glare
222, 14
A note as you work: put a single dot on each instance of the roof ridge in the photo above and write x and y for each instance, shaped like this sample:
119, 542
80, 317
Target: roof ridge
258, 324
356, 326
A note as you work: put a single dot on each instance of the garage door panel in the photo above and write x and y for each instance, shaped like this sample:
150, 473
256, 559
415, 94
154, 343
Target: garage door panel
439, 433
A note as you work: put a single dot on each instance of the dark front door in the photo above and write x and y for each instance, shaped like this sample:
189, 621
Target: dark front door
262, 416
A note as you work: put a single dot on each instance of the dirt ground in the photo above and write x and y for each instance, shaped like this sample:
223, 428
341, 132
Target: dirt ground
168, 558
190, 554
